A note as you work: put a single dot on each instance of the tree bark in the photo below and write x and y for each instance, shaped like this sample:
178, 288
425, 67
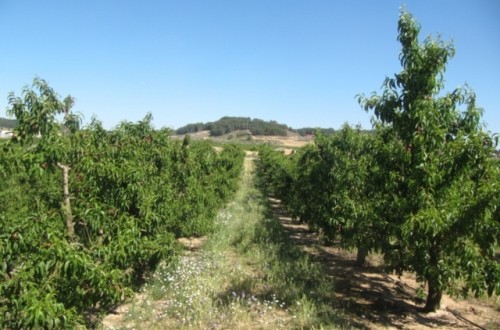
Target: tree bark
67, 204
434, 295
435, 292
361, 256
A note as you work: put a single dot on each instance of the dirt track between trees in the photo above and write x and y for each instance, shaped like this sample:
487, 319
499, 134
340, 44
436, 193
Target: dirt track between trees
373, 299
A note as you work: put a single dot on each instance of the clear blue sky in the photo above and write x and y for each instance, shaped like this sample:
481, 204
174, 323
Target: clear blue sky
298, 62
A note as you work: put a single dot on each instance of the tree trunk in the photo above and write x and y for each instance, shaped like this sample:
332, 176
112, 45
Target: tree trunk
361, 255
434, 295
435, 292
67, 205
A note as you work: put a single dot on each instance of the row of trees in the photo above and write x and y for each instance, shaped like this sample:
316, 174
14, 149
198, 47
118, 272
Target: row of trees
85, 212
313, 130
423, 189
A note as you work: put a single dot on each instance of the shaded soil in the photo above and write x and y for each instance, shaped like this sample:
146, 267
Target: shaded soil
373, 299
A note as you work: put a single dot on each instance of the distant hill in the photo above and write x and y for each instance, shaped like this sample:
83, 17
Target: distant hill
8, 123
255, 126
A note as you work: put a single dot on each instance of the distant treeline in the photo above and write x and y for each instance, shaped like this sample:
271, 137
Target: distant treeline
8, 123
312, 130
226, 125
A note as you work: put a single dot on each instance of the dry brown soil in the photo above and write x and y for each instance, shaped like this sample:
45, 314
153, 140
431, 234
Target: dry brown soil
373, 299
285, 143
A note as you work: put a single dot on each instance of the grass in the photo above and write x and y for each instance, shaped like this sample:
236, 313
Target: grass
246, 276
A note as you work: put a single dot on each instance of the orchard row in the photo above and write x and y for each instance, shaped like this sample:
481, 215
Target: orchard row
423, 189
86, 213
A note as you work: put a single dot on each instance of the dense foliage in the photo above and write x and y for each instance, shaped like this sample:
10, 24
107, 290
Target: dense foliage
424, 189
131, 192
329, 185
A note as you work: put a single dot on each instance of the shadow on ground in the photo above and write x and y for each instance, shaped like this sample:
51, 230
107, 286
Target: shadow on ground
366, 296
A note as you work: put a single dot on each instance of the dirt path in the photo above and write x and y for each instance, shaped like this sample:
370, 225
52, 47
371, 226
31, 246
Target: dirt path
376, 300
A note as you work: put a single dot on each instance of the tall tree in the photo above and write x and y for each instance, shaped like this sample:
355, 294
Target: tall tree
448, 192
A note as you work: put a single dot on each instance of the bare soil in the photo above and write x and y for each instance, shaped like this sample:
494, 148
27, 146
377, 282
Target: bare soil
372, 299
192, 243
285, 143
291, 141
